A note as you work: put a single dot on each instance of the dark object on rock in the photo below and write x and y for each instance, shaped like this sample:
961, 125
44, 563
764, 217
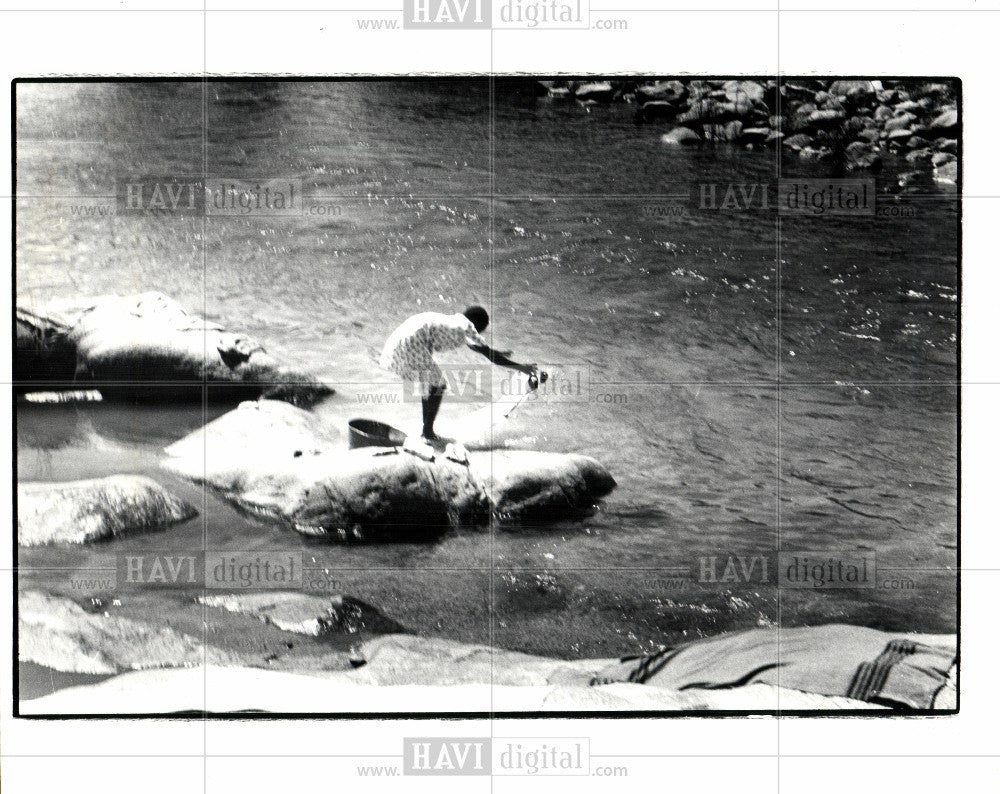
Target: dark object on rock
369, 433
85, 511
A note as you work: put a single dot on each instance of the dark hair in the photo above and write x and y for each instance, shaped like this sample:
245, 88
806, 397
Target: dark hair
478, 316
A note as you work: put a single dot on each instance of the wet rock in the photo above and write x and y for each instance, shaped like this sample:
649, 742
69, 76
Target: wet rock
150, 337
946, 125
852, 88
703, 110
799, 120
57, 632
600, 91
900, 122
912, 181
935, 91
826, 118
671, 91
945, 145
947, 173
756, 135
657, 110
916, 142
898, 137
726, 133
882, 113
743, 89
681, 136
919, 157
869, 135
815, 155
774, 138
939, 159
862, 157
301, 613
86, 511
797, 142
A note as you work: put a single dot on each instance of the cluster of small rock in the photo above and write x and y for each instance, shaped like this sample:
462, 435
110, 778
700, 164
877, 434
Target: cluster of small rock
854, 124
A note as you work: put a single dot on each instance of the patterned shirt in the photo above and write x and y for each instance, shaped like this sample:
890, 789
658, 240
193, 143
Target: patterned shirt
409, 350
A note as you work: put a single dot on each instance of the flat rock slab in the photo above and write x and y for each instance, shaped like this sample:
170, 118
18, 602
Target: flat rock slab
255, 435
301, 613
85, 511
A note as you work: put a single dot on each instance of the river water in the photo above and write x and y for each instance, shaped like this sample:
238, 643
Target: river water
737, 417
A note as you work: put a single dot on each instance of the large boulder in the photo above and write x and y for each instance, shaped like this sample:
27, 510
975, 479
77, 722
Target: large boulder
85, 511
523, 483
282, 463
150, 337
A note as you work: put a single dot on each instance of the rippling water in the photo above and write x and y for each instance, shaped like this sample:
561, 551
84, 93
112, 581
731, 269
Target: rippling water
677, 318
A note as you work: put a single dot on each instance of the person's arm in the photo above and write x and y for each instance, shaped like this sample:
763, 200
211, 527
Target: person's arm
501, 359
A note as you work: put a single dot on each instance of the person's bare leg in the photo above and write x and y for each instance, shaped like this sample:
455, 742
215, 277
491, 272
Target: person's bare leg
431, 404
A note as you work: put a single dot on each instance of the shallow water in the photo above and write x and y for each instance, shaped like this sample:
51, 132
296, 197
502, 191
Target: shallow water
674, 318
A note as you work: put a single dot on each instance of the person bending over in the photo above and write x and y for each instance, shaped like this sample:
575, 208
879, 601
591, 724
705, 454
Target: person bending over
409, 353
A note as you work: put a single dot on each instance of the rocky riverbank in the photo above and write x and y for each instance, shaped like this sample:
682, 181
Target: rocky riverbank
854, 125
292, 652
